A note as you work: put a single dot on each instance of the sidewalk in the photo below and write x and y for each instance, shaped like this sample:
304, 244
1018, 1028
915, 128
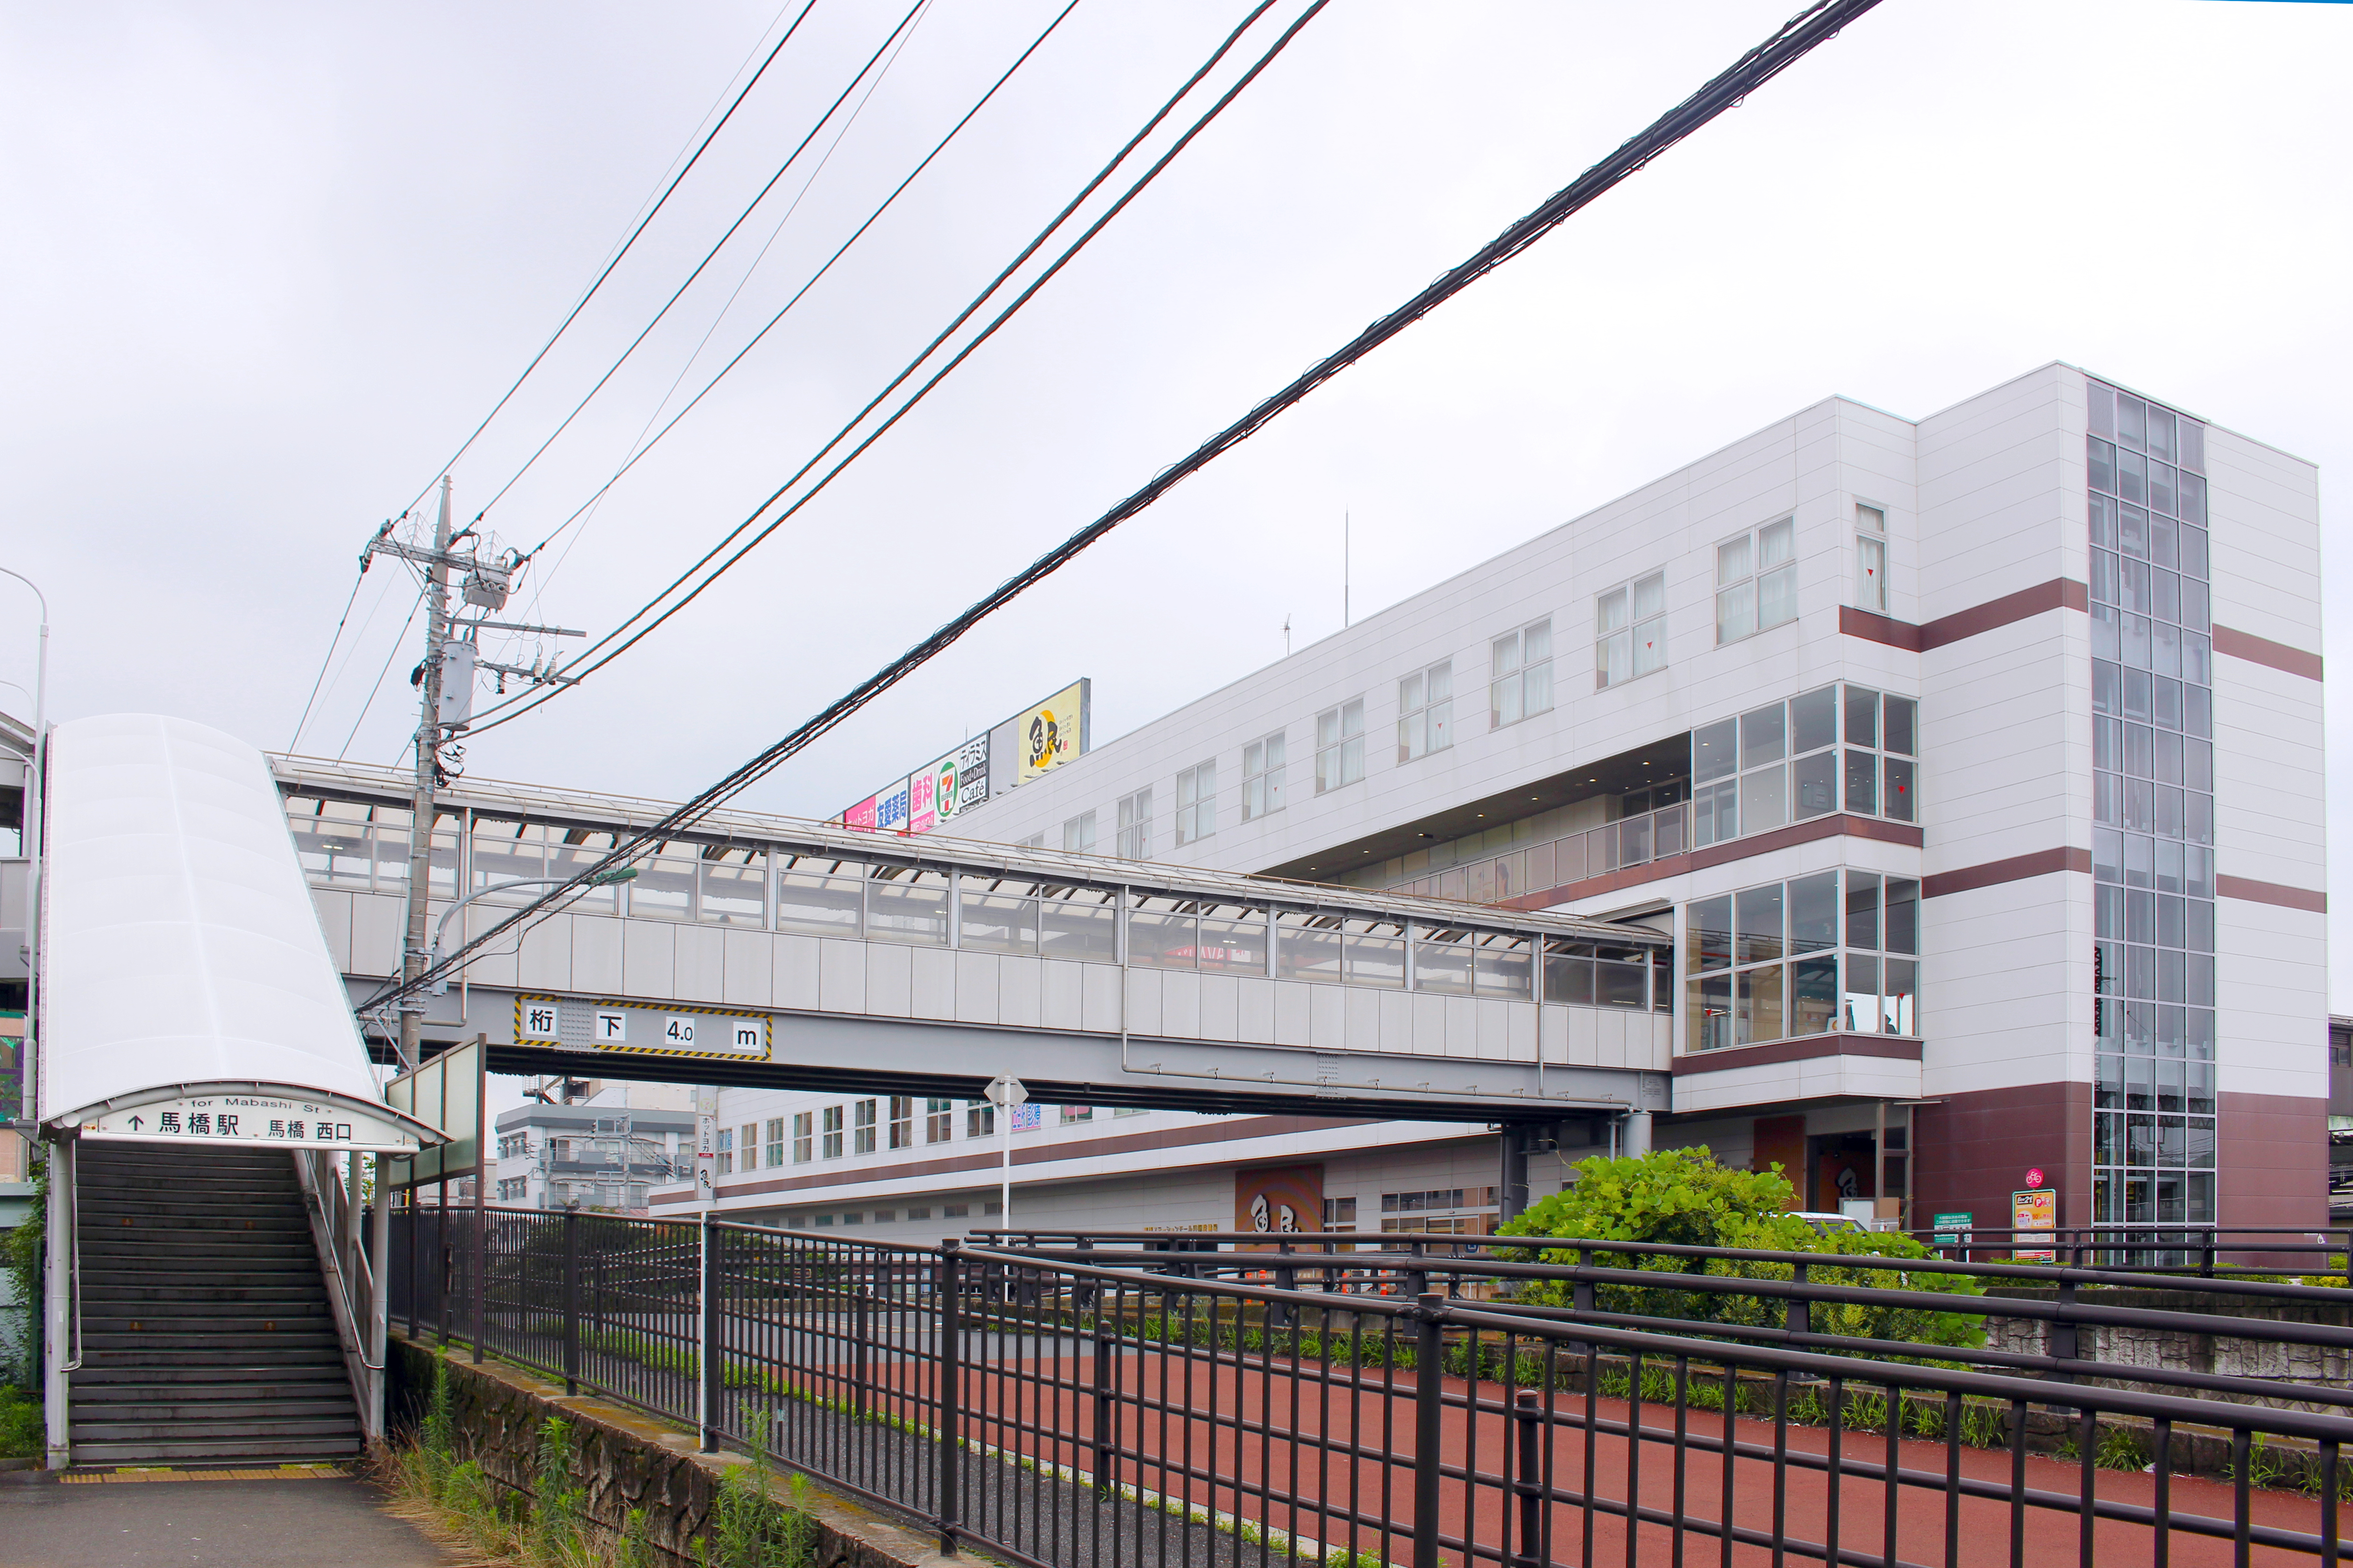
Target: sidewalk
298, 1518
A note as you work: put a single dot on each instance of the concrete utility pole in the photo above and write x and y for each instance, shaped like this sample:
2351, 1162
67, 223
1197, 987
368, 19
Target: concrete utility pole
414, 952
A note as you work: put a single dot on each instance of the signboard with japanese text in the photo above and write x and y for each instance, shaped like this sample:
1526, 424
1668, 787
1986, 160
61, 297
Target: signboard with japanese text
568, 1023
1051, 734
1029, 744
287, 1122
1279, 1199
2035, 1210
1953, 1229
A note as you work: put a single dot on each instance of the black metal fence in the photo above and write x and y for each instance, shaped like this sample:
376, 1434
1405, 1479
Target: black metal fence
1095, 1401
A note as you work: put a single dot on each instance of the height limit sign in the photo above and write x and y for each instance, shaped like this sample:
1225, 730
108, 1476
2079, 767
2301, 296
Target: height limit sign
568, 1023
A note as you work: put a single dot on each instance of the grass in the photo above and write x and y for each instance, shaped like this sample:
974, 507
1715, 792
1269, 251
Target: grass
23, 1435
460, 1506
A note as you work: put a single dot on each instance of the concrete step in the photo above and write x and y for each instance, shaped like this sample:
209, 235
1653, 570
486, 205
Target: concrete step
134, 1386
122, 1296
260, 1449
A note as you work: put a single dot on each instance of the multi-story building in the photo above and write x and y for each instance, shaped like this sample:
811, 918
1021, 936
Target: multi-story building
1975, 761
605, 1153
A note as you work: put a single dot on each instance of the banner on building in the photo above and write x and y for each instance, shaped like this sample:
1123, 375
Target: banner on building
1030, 744
2037, 1210
1051, 734
1279, 1199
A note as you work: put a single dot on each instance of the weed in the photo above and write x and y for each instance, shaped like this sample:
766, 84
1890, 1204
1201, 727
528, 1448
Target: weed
23, 1434
1807, 1408
749, 1528
2120, 1450
2263, 1467
1984, 1425
1924, 1419
560, 1498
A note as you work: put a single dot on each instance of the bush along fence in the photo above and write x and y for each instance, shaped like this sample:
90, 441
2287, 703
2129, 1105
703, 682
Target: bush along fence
1068, 1401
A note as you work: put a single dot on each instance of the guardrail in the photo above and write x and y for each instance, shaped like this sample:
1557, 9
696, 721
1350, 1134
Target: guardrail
1088, 1401
2164, 1249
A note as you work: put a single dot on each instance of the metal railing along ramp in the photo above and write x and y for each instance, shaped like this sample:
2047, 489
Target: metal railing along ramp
1376, 1400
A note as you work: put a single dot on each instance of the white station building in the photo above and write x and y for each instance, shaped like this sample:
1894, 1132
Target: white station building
1974, 762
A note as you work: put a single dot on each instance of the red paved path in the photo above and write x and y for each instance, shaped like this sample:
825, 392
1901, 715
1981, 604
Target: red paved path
1190, 1425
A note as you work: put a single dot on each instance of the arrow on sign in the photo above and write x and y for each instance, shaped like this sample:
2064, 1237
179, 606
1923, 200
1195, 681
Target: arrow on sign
136, 1123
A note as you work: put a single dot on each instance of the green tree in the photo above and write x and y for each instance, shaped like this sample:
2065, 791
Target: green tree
1683, 1197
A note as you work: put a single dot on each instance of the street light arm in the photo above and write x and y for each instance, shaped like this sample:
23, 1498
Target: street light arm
627, 874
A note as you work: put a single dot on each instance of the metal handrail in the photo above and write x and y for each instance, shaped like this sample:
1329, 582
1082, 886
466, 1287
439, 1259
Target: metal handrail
309, 1161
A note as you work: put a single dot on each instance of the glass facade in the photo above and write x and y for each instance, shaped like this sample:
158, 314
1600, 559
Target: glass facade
2153, 815
1835, 951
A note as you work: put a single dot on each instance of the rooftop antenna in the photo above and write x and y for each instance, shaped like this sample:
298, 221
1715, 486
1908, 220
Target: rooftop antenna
1286, 633
1346, 619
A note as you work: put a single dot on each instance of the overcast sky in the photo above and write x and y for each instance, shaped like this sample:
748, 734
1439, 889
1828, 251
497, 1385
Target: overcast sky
267, 265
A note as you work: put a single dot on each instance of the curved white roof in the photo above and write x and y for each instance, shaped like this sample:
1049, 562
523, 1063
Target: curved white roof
180, 946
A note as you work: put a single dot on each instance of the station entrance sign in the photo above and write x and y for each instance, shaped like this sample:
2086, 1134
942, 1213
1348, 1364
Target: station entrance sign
283, 1122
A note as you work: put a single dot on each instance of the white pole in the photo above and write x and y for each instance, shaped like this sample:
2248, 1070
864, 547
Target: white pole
1005, 1183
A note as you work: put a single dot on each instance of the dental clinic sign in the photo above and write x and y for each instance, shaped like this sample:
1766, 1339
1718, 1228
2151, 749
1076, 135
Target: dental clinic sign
287, 1122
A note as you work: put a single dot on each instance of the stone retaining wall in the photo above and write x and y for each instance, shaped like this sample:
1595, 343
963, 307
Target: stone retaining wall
2175, 1351
625, 1459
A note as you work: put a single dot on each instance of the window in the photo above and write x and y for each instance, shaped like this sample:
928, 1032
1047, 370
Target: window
954, 1211
903, 1121
921, 1211
1426, 712
1597, 974
803, 1143
1757, 581
1837, 748
1196, 804
861, 1127
1035, 841
1135, 825
2152, 849
1077, 834
1765, 963
939, 1121
1339, 1214
1262, 777
1451, 1211
776, 1141
1072, 1113
833, 1132
1870, 559
979, 1118
726, 1151
1521, 686
1340, 745
1629, 631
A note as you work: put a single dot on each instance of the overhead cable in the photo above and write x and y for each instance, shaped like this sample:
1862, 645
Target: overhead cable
1791, 42
644, 446
517, 706
709, 256
599, 282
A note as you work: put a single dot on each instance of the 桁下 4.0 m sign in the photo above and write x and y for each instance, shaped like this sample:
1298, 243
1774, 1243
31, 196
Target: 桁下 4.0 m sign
569, 1023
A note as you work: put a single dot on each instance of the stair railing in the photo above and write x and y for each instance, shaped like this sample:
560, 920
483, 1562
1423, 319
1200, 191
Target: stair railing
350, 1282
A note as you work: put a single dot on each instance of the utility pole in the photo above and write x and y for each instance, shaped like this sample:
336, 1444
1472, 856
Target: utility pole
413, 953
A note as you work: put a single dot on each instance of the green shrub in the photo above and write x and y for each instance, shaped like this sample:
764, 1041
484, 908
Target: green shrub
2120, 1450
23, 1434
1683, 1197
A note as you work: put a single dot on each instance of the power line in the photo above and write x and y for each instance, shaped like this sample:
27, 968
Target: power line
643, 446
575, 314
709, 256
1794, 39
380, 674
517, 706
327, 660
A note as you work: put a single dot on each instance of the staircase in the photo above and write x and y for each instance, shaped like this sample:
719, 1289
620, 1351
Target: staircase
206, 1334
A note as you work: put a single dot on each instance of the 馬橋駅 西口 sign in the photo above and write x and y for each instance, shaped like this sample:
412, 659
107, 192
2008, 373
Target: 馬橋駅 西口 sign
243, 1119
568, 1022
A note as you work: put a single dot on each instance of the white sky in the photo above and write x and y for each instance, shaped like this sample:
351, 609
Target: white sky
267, 263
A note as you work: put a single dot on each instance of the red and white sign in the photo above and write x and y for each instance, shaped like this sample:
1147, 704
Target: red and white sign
2034, 1177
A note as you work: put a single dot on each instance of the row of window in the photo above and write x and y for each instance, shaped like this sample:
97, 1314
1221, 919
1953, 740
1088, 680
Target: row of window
1838, 748
1764, 962
1756, 590
869, 1126
824, 1219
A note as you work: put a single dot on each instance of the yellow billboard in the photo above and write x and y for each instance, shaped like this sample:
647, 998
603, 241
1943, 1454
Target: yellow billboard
1051, 734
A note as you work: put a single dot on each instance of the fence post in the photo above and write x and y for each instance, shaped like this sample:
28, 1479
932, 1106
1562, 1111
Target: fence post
571, 1301
951, 1447
862, 1322
1106, 1371
1799, 1318
2065, 1338
706, 1342
481, 1270
1428, 1414
1580, 1302
1528, 1415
